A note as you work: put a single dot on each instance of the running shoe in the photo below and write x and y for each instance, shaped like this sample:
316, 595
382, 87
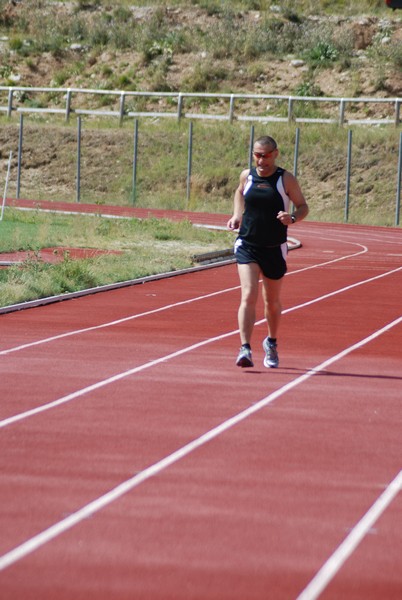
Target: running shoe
271, 358
244, 359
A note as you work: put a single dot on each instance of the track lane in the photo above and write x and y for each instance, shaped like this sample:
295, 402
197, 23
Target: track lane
90, 364
131, 371
194, 412
286, 389
120, 335
284, 495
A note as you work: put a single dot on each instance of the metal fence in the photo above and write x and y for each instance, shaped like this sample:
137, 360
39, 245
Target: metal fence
189, 164
227, 107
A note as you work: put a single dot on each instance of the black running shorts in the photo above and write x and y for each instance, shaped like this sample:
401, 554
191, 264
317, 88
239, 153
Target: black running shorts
272, 261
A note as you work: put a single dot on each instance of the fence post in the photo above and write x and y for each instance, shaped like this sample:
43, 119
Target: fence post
231, 108
179, 106
296, 155
290, 109
10, 102
78, 159
397, 112
342, 106
68, 105
189, 159
20, 140
250, 149
398, 186
348, 175
135, 159
5, 186
122, 99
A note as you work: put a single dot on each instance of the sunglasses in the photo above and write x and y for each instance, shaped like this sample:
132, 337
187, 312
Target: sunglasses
263, 154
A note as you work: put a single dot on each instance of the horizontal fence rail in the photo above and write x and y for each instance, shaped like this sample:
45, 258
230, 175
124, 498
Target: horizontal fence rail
226, 107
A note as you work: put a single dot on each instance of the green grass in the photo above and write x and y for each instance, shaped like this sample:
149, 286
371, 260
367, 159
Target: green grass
147, 247
220, 150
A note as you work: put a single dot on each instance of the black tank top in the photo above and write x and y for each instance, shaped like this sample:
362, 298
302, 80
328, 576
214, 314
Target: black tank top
264, 197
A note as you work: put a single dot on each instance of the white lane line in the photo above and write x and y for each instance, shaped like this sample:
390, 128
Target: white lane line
152, 363
93, 507
161, 309
340, 291
116, 322
110, 380
383, 238
349, 545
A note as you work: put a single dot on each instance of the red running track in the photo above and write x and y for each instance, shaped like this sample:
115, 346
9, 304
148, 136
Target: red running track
139, 463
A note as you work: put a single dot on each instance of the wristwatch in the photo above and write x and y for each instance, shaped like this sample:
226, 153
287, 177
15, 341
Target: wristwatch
293, 218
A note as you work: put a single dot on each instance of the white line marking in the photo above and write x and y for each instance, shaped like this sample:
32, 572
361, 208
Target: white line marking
110, 380
341, 290
93, 507
162, 308
152, 363
348, 546
116, 322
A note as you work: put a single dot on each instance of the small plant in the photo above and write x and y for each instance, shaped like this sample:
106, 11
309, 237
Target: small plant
99, 35
322, 54
107, 71
123, 82
61, 77
122, 35
5, 71
16, 43
89, 4
107, 100
212, 7
308, 88
156, 49
158, 77
206, 77
31, 64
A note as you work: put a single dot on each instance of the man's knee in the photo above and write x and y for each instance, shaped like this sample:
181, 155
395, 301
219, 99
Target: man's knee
273, 306
249, 298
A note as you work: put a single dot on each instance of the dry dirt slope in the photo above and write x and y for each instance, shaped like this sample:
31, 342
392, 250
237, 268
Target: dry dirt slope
270, 76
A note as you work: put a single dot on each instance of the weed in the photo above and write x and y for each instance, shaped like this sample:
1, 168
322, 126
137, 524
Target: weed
206, 77
322, 54
61, 77
308, 88
5, 71
16, 43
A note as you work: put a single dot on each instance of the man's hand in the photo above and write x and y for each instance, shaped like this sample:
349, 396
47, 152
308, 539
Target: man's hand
233, 223
284, 217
